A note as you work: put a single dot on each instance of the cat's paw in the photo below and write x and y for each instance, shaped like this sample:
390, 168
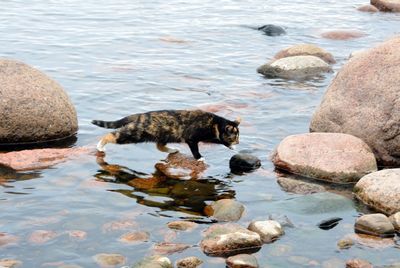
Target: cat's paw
201, 159
173, 150
100, 147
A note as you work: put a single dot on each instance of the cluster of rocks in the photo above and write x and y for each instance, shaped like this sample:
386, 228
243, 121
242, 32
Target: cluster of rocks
298, 62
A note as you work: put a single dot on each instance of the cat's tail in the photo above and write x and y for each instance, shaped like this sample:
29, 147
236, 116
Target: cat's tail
107, 124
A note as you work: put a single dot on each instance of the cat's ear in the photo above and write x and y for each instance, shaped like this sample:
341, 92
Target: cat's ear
238, 120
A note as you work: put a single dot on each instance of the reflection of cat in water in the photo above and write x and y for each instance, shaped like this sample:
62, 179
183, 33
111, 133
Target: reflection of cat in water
172, 126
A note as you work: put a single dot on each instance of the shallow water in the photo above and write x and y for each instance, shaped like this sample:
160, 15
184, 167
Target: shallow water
125, 57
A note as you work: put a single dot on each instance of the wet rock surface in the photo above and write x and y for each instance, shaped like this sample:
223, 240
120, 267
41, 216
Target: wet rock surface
374, 224
345, 243
395, 220
296, 67
272, 30
8, 239
10, 263
154, 262
242, 261
40, 158
380, 190
134, 237
298, 186
229, 239
367, 8
343, 34
374, 117
42, 236
189, 262
225, 210
34, 107
182, 225
366, 241
387, 5
166, 248
180, 166
334, 157
358, 263
269, 230
106, 260
306, 50
240, 163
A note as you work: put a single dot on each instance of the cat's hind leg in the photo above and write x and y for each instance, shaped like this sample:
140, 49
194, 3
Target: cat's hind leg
109, 138
164, 148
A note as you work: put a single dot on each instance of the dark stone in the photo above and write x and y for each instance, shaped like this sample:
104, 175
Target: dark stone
272, 30
329, 223
244, 163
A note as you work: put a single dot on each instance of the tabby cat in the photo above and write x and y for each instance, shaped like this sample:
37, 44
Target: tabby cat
172, 126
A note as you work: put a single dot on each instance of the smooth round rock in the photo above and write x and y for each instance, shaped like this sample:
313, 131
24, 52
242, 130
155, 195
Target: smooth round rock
296, 67
154, 262
268, 230
334, 157
189, 262
368, 8
109, 260
395, 220
306, 50
374, 224
358, 263
225, 210
387, 5
272, 30
380, 190
34, 108
225, 240
242, 261
240, 163
182, 225
362, 100
343, 34
345, 243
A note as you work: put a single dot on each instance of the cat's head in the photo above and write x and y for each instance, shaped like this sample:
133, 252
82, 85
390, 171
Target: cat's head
229, 133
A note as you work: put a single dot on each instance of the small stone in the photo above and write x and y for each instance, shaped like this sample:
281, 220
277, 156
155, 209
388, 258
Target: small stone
358, 263
329, 223
109, 260
166, 248
10, 263
395, 220
225, 210
374, 224
189, 262
223, 240
306, 50
242, 261
154, 262
272, 30
7, 239
343, 34
240, 163
268, 230
134, 237
368, 8
182, 225
42, 236
387, 5
296, 67
345, 243
180, 166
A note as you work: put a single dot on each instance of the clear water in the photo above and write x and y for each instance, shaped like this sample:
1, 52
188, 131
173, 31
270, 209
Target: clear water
120, 57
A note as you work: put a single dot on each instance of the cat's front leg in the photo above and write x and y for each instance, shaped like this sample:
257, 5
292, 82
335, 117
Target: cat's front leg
194, 148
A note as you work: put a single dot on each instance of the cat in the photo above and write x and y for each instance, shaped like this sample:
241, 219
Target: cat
172, 126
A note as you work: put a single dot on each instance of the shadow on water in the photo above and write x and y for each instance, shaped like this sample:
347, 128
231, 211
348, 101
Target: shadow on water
157, 190
67, 142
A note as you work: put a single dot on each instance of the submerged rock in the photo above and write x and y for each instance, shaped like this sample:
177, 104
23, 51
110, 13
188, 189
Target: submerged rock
367, 241
345, 243
154, 262
182, 225
8, 240
374, 224
242, 261
180, 166
298, 186
40, 158
343, 34
134, 237
358, 263
374, 117
272, 30
367, 8
34, 108
166, 248
10, 263
387, 5
42, 236
225, 210
229, 239
334, 157
109, 260
189, 262
269, 230
296, 67
240, 163
380, 190
306, 50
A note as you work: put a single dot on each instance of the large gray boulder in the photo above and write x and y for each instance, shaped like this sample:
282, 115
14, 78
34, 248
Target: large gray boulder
33, 107
334, 157
363, 101
380, 190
